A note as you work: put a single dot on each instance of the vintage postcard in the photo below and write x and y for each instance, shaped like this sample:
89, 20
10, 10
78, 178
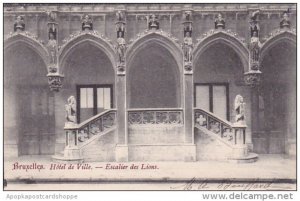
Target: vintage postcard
139, 96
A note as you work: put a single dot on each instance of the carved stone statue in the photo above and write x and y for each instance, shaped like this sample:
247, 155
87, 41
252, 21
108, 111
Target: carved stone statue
120, 24
254, 26
188, 16
120, 16
285, 21
19, 24
239, 107
87, 22
52, 48
187, 23
219, 22
187, 47
254, 47
121, 48
153, 22
71, 110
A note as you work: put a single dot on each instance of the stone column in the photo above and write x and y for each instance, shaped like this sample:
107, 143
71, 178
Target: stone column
122, 147
122, 136
188, 86
188, 108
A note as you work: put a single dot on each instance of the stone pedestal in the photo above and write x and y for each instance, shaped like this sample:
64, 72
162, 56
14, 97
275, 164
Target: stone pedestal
72, 153
239, 151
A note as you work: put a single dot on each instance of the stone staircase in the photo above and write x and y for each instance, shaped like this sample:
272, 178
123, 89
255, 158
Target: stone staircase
218, 139
91, 140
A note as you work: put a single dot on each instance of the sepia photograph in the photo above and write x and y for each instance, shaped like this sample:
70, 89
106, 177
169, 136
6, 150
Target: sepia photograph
150, 96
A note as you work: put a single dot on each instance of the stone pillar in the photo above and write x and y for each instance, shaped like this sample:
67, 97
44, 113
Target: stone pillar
59, 111
121, 105
122, 148
11, 134
188, 102
188, 108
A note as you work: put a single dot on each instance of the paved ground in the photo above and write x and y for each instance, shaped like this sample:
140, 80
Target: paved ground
270, 172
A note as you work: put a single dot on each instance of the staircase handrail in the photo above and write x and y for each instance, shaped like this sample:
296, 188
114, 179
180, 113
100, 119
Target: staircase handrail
86, 122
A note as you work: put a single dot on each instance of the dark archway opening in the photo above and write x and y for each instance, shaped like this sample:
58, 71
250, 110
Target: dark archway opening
154, 79
28, 103
277, 99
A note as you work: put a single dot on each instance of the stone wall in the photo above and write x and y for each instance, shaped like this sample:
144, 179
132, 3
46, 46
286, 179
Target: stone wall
103, 15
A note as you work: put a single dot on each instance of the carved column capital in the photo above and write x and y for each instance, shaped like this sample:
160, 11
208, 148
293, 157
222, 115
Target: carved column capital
253, 78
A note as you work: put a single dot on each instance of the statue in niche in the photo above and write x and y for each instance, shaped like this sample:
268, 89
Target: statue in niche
187, 47
239, 107
255, 46
153, 22
87, 23
188, 16
19, 24
120, 28
219, 22
121, 48
71, 110
254, 26
52, 15
285, 22
120, 16
120, 24
52, 47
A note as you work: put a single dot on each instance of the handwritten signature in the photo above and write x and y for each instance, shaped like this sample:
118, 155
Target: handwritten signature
199, 184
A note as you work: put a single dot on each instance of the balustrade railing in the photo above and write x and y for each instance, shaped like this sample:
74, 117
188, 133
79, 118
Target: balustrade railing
77, 134
155, 116
215, 124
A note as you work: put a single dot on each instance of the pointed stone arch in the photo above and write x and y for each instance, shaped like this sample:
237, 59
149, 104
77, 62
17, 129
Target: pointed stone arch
29, 40
229, 38
277, 36
165, 42
94, 38
159, 37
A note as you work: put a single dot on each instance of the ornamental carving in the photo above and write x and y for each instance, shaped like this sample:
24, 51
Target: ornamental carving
285, 22
187, 45
226, 32
254, 48
121, 43
55, 81
252, 78
19, 24
153, 22
254, 45
86, 23
277, 32
27, 35
187, 23
149, 32
52, 42
78, 34
155, 117
254, 25
219, 22
121, 49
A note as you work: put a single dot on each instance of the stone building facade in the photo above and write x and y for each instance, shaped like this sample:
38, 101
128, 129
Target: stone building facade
149, 81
